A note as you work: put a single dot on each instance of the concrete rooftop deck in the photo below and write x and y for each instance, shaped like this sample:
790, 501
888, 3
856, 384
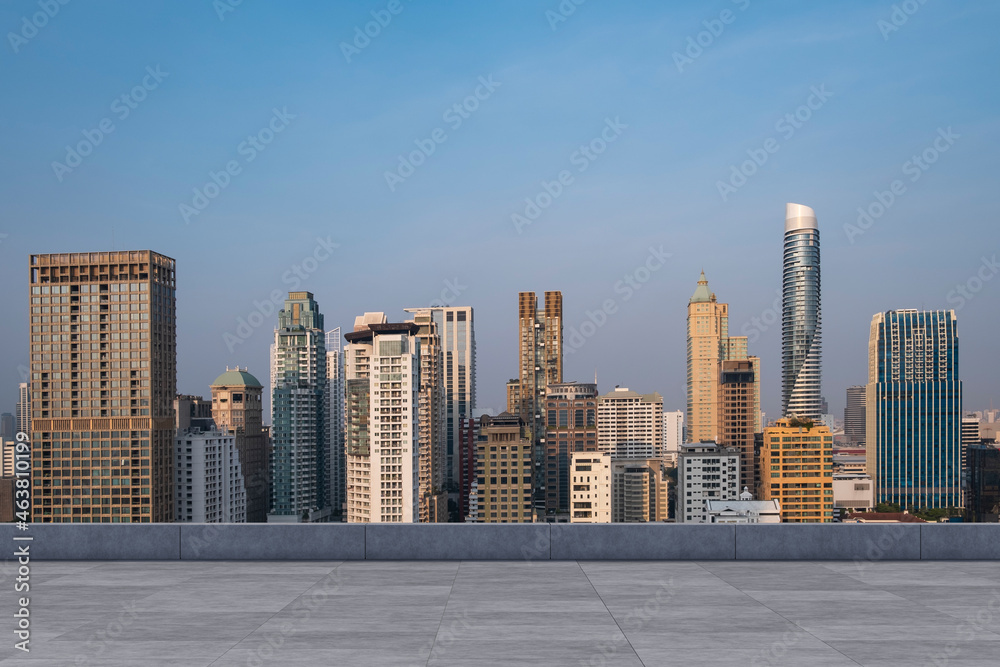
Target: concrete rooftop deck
464, 613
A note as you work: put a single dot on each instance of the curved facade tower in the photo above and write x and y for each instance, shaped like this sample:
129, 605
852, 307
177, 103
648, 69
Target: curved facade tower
801, 317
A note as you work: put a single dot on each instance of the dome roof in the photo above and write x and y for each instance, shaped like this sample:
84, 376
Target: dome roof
236, 378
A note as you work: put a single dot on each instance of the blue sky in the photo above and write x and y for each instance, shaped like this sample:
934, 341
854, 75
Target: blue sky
680, 131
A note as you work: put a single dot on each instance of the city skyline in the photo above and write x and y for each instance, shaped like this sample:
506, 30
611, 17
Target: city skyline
655, 186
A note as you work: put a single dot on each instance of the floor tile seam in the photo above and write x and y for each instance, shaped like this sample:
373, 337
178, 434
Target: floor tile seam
618, 625
444, 611
268, 619
782, 616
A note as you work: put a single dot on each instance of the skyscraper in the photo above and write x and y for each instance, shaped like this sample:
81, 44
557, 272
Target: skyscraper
540, 356
737, 384
209, 487
854, 415
23, 410
102, 388
456, 329
237, 408
801, 319
707, 336
299, 488
914, 409
335, 426
571, 426
382, 419
431, 416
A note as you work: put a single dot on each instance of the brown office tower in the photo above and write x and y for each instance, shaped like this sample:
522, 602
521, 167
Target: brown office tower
504, 470
540, 359
237, 407
737, 382
103, 382
571, 426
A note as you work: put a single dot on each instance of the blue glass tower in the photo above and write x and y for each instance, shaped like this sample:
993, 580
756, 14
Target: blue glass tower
914, 409
801, 315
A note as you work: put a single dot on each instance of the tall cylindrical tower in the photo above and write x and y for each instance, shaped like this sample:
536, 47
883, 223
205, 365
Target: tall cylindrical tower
801, 317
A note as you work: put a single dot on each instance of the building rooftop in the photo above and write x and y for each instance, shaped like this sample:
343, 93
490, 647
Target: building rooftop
475, 613
236, 378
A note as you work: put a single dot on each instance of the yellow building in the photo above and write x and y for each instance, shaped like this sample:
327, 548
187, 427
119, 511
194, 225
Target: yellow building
796, 468
708, 331
504, 470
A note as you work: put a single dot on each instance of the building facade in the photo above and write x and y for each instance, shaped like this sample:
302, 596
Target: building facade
737, 387
432, 415
630, 425
102, 386
914, 409
983, 501
673, 433
504, 470
383, 430
335, 423
571, 426
744, 510
209, 486
590, 494
801, 318
639, 491
796, 469
8, 426
707, 336
706, 471
299, 449
854, 415
853, 492
238, 409
23, 409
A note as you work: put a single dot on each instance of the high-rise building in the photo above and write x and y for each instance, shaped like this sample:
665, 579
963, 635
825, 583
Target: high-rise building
571, 426
504, 470
467, 438
737, 387
188, 408
639, 491
970, 437
540, 359
707, 336
854, 415
630, 425
23, 408
673, 433
8, 427
456, 330
382, 418
914, 409
706, 471
796, 469
801, 319
237, 409
433, 475
335, 424
209, 486
590, 499
299, 450
983, 502
102, 389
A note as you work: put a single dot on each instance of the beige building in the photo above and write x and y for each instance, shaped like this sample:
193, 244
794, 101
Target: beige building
630, 425
433, 426
590, 484
383, 440
237, 408
639, 491
103, 381
504, 470
796, 469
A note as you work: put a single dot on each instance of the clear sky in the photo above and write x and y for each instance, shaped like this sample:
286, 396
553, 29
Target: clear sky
832, 99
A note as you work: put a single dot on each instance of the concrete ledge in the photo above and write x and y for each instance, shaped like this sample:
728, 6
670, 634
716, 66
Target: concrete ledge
621, 541
457, 541
259, 541
869, 542
97, 541
960, 541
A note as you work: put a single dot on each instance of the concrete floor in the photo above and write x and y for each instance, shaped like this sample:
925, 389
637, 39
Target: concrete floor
252, 614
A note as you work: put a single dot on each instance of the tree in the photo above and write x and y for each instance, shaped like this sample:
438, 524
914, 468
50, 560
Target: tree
888, 508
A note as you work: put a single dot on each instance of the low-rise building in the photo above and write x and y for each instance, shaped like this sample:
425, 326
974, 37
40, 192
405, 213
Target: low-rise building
744, 510
590, 487
853, 491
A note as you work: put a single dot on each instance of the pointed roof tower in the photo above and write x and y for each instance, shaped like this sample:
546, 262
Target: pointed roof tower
701, 293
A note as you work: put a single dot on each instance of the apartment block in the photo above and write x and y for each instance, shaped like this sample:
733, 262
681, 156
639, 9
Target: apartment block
431, 414
737, 387
103, 380
590, 494
796, 469
504, 470
630, 425
335, 423
707, 471
571, 426
209, 482
639, 491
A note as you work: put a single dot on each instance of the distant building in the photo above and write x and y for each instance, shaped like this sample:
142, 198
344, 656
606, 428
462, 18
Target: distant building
673, 433
737, 387
630, 425
854, 415
237, 408
431, 416
744, 510
189, 408
881, 517
7, 499
7, 458
707, 471
970, 437
796, 466
208, 483
852, 491
23, 410
639, 491
914, 452
468, 436
504, 467
8, 427
707, 331
801, 319
335, 423
590, 479
983, 500
571, 426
